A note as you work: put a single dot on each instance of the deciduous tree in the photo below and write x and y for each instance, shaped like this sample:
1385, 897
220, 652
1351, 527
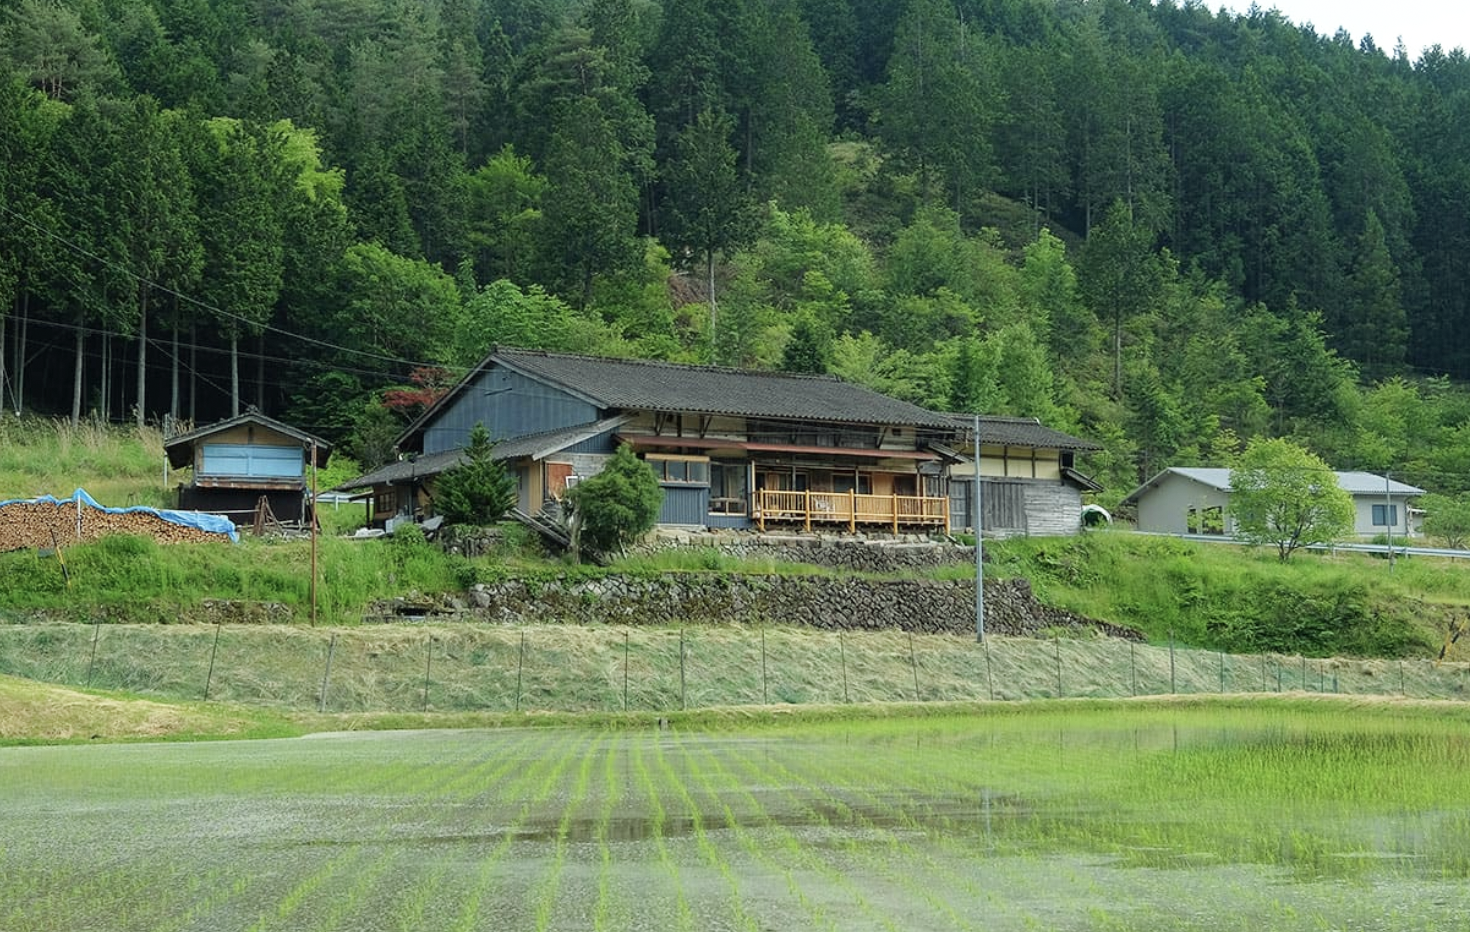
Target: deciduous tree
1285, 496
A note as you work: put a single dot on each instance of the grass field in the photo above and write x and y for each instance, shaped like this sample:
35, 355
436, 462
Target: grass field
1206, 816
466, 667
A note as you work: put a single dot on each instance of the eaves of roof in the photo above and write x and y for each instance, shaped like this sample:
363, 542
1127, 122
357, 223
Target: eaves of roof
176, 447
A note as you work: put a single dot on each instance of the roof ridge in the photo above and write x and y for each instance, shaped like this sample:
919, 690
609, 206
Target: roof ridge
666, 364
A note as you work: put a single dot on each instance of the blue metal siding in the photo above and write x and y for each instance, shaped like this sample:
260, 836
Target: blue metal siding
603, 444
509, 405
729, 521
685, 505
253, 461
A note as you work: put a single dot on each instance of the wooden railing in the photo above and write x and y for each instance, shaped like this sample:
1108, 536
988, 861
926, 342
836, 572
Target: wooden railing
851, 509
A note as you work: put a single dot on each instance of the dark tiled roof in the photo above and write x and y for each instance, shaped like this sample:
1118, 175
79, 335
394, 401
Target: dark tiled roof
535, 445
647, 385
178, 447
1019, 432
425, 465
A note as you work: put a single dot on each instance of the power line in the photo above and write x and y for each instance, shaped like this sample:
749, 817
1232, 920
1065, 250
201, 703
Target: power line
164, 289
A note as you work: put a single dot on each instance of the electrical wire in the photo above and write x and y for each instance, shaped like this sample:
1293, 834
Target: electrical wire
204, 305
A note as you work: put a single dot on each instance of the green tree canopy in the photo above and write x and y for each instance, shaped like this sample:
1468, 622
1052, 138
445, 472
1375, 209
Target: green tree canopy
1284, 495
618, 505
479, 490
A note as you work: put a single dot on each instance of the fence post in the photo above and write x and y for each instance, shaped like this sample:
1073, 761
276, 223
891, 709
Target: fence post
321, 702
428, 665
1172, 689
913, 662
1133, 665
1279, 665
1222, 671
765, 687
214, 651
989, 680
625, 670
96, 632
683, 703
1304, 672
520, 669
1263, 673
842, 652
1057, 643
1401, 679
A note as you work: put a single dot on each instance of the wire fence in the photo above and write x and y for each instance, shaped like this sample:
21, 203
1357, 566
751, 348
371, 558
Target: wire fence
561, 668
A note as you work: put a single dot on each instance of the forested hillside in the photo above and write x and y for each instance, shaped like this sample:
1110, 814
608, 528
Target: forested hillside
1166, 229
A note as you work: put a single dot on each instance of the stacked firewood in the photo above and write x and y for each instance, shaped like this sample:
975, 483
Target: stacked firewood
35, 525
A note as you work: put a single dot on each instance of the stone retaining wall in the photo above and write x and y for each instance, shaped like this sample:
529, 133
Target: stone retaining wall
831, 603
860, 555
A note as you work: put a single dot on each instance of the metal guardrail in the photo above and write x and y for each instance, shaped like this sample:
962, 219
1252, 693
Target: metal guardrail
1352, 547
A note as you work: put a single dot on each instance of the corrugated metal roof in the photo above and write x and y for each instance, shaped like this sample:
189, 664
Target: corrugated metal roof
1354, 483
178, 447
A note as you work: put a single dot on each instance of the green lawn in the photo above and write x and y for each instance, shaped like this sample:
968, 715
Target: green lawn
1272, 816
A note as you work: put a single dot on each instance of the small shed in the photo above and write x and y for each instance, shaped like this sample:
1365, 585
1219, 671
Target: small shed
238, 461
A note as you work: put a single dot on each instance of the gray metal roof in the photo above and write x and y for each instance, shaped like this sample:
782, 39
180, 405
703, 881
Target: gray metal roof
648, 385
179, 446
1354, 483
1018, 432
534, 446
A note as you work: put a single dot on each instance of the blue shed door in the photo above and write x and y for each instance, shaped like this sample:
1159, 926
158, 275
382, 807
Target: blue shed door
258, 462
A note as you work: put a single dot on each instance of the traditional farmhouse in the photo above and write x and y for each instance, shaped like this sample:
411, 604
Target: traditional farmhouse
1190, 500
732, 448
240, 461
1029, 483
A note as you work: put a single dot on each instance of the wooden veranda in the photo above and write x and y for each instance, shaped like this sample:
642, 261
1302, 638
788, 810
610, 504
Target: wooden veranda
851, 509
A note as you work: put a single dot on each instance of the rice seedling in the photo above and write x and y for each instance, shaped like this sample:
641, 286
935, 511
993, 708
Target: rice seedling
1199, 815
658, 817
710, 853
544, 776
546, 899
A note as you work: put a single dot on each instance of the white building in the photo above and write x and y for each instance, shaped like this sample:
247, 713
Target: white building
1196, 500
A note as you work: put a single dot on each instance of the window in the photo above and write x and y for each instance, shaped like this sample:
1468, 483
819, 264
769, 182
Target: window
862, 483
679, 470
1385, 515
385, 502
727, 493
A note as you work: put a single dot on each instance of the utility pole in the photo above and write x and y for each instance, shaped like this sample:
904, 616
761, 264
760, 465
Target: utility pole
1388, 515
979, 562
313, 534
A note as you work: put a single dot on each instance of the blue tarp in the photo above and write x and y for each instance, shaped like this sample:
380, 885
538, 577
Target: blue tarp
214, 524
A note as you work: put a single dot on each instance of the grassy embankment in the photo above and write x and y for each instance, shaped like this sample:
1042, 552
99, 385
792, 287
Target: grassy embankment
1212, 597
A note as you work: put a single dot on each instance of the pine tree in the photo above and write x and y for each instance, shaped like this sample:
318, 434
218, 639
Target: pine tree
480, 490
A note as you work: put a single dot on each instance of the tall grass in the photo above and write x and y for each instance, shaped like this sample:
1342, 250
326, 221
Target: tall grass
134, 579
118, 466
1235, 599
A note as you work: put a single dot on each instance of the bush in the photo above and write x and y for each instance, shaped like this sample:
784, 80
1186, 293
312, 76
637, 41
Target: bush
618, 505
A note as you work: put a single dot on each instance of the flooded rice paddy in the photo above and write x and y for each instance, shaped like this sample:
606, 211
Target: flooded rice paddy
1052, 819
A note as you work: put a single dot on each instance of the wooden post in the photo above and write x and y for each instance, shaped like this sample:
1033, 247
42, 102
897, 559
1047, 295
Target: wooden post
852, 510
842, 652
313, 533
213, 652
895, 512
321, 703
914, 663
807, 510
